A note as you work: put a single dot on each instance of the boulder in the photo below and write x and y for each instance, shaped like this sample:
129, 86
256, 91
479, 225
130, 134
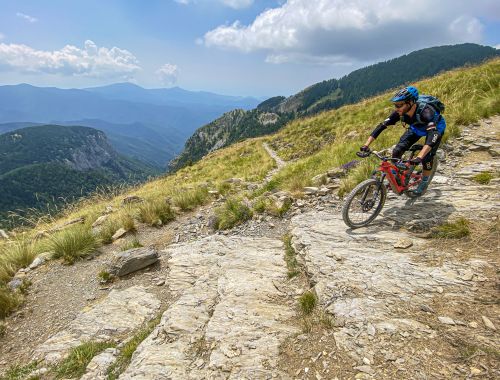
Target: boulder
100, 221
119, 234
133, 260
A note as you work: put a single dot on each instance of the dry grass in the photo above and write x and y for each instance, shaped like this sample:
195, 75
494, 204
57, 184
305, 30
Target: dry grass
73, 243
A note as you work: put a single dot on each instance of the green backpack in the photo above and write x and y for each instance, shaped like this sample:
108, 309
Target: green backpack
434, 102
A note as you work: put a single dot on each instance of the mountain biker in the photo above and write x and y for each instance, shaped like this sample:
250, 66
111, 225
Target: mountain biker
424, 120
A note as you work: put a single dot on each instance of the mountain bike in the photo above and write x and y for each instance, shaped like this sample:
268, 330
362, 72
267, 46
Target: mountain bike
366, 200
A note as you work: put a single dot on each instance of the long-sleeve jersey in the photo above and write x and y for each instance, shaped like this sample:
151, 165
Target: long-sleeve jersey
419, 122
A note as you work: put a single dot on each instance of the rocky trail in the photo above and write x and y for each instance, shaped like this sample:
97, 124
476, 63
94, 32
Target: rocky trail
227, 309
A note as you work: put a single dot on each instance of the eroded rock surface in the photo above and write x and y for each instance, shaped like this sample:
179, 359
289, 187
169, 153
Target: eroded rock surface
117, 316
229, 319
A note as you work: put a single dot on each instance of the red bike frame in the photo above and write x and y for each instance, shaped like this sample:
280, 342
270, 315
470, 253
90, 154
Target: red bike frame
406, 177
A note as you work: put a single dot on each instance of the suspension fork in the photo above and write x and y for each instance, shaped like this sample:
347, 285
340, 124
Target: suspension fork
377, 190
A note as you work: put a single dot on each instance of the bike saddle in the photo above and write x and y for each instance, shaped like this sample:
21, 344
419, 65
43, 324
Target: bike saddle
416, 147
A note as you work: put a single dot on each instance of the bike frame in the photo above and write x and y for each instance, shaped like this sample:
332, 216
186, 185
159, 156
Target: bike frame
404, 176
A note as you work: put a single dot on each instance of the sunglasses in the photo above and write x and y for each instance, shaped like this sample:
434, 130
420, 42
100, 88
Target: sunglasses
399, 105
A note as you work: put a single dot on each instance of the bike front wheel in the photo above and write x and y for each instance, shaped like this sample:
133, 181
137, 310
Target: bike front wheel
364, 203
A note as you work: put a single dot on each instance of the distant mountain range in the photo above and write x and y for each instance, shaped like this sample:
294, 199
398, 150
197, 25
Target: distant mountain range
150, 125
272, 114
45, 166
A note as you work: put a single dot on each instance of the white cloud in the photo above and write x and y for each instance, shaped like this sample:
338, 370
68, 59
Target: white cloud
236, 4
497, 46
168, 74
26, 17
92, 61
355, 30
2, 36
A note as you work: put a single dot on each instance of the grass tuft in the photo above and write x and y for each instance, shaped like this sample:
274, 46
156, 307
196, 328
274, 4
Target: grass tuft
156, 212
134, 243
19, 372
8, 301
457, 229
75, 364
188, 200
483, 178
73, 243
290, 257
129, 348
232, 213
307, 302
108, 229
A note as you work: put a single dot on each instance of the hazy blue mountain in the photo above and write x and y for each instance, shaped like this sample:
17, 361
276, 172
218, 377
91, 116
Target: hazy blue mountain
150, 125
172, 96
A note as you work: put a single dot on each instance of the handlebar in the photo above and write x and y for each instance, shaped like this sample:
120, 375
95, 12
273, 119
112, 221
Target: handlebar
365, 154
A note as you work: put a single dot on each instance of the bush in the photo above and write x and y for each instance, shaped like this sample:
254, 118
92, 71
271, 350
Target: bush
156, 213
483, 178
232, 213
307, 302
453, 230
73, 244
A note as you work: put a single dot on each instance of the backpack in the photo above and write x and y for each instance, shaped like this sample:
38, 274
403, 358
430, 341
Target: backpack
434, 102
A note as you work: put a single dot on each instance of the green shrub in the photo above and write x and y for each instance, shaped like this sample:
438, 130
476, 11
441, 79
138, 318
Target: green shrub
75, 364
483, 178
453, 230
190, 199
73, 243
156, 213
260, 205
307, 302
232, 213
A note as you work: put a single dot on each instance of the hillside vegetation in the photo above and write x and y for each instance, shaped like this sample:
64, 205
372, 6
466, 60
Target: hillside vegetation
312, 145
271, 115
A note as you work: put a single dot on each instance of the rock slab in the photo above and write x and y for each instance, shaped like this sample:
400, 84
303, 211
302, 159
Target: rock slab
133, 260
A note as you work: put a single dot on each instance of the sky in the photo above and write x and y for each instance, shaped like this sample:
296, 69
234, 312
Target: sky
237, 47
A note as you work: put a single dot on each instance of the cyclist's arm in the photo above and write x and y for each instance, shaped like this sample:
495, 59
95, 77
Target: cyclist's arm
391, 120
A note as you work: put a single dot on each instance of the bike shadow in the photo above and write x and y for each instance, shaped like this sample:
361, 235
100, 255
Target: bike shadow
433, 208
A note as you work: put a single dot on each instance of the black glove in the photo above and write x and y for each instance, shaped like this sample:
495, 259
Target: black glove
364, 148
415, 161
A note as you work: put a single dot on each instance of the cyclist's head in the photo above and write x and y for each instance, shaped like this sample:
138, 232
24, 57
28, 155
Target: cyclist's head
404, 99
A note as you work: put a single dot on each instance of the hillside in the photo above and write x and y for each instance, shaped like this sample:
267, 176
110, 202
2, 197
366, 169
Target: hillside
272, 114
286, 290
46, 166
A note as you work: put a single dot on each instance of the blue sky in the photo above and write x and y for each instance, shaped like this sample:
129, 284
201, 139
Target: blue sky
240, 47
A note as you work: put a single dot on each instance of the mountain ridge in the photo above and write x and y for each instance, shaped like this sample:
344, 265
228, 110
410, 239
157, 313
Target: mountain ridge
330, 94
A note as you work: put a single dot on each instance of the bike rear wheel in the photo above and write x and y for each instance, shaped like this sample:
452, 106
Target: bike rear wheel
364, 203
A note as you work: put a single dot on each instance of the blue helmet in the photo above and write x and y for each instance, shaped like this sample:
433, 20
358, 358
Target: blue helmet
406, 94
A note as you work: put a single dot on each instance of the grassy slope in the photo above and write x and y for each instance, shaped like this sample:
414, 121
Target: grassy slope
319, 143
